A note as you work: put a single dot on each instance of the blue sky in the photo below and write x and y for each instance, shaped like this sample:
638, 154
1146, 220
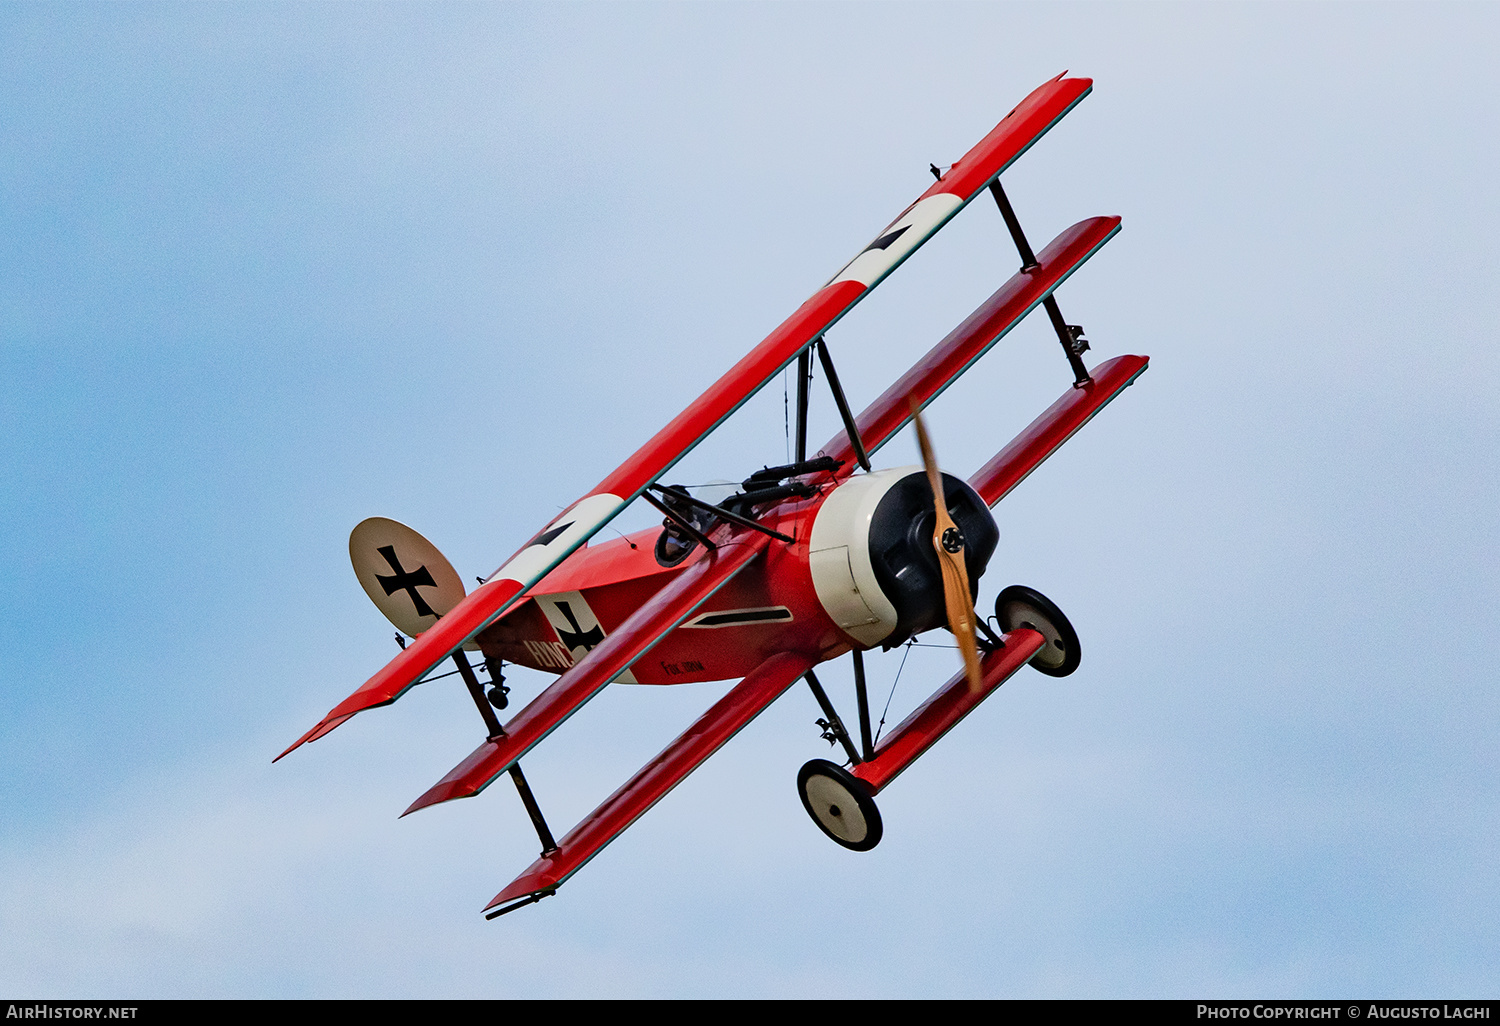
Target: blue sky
268, 270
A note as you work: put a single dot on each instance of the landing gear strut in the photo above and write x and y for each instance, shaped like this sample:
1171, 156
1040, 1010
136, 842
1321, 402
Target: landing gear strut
499, 692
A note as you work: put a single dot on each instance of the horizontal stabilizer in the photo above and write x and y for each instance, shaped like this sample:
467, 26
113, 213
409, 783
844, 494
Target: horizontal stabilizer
956, 353
627, 643
1055, 426
941, 713
723, 720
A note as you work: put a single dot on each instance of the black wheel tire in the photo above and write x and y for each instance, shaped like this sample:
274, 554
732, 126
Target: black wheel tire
1020, 606
840, 803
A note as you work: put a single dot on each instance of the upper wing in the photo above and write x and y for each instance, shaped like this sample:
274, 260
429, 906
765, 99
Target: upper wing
723, 720
966, 343
1015, 133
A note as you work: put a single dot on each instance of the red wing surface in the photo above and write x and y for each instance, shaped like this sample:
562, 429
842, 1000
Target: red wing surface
627, 643
1055, 426
723, 720
941, 713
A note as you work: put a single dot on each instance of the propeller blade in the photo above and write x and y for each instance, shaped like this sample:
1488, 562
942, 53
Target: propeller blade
948, 542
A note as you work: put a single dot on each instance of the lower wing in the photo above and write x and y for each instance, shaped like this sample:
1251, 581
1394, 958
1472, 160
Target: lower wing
726, 718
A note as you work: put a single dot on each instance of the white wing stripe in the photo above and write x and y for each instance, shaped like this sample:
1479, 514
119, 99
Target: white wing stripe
910, 230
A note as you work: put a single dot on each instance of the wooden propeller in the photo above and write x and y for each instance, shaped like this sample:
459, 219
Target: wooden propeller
948, 541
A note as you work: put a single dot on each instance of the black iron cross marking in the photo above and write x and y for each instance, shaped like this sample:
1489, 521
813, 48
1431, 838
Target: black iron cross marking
408, 582
578, 637
546, 536
884, 242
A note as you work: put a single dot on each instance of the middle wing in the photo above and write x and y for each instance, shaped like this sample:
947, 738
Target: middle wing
1015, 133
627, 643
965, 344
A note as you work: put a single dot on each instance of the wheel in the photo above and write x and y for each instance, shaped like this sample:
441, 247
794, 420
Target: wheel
1020, 606
840, 804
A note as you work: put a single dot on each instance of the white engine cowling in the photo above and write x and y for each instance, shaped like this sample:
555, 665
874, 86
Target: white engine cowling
871, 556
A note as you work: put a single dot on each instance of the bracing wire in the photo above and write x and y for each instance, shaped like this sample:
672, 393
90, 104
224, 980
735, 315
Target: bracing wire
892, 695
440, 676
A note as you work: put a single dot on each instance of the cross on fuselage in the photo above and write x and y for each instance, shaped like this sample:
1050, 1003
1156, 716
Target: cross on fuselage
408, 582
578, 637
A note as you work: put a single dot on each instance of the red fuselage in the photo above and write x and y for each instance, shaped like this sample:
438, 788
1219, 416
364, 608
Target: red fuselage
771, 607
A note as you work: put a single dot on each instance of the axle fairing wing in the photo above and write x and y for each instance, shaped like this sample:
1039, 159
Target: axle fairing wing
1015, 133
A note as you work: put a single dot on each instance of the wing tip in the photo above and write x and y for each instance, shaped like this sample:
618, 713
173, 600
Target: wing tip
325, 725
529, 898
296, 745
533, 885
420, 803
436, 795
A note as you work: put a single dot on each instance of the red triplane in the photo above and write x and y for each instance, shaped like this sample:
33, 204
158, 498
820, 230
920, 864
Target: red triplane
797, 565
